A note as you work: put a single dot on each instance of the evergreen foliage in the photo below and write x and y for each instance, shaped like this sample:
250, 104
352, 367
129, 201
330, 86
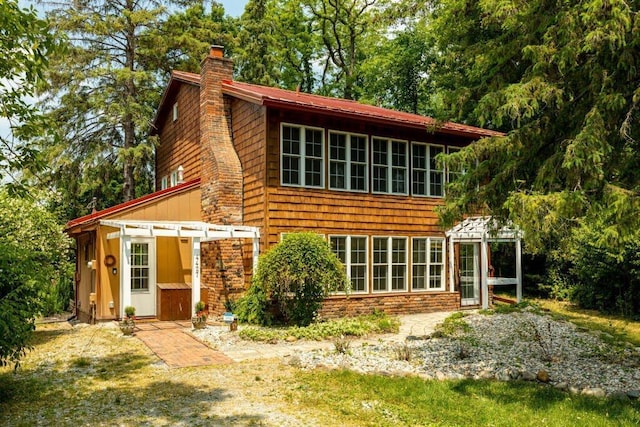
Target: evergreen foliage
562, 79
294, 277
34, 271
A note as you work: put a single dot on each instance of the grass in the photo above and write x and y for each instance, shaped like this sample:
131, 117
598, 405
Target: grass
619, 328
93, 375
376, 323
368, 400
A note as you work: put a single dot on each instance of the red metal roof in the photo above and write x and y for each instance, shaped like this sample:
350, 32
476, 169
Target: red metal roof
93, 217
299, 100
264, 95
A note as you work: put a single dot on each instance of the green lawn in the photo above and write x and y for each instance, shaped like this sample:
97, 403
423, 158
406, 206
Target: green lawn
92, 375
364, 400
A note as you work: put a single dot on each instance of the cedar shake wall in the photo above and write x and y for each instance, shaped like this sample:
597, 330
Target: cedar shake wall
221, 181
179, 141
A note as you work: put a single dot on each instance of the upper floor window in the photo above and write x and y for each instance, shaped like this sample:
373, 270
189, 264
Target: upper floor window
174, 178
428, 178
454, 173
348, 168
302, 162
175, 111
389, 166
164, 182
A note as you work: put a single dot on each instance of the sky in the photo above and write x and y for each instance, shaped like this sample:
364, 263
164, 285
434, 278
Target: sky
231, 7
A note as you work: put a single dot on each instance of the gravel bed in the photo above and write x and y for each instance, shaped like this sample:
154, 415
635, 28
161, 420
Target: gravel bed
525, 346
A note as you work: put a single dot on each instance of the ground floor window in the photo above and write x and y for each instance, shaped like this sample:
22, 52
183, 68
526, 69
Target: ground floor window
139, 267
428, 263
352, 251
389, 264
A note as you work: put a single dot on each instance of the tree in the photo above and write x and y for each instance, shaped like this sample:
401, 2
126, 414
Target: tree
106, 88
295, 275
342, 26
25, 45
34, 265
563, 80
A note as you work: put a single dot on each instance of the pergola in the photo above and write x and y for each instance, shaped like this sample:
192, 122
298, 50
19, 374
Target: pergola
198, 232
484, 230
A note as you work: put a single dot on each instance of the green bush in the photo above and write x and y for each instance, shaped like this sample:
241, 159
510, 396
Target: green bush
291, 281
34, 267
599, 271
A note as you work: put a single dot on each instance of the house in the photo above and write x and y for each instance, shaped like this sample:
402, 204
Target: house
240, 165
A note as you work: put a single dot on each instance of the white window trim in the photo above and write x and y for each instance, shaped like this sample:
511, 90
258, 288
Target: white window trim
453, 149
174, 111
390, 264
390, 166
348, 161
347, 263
302, 172
428, 165
428, 264
164, 182
173, 178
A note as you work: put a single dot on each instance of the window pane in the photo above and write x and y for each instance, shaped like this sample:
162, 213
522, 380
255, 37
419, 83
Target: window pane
313, 172
358, 278
337, 175
398, 278
338, 146
379, 277
419, 251
339, 247
359, 250
358, 177
358, 149
419, 272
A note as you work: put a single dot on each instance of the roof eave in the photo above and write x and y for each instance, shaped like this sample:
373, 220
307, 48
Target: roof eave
174, 80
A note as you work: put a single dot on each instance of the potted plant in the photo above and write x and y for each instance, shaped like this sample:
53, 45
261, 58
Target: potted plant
128, 324
199, 321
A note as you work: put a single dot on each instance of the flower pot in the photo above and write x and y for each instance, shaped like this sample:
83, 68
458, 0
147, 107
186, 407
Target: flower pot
127, 327
199, 322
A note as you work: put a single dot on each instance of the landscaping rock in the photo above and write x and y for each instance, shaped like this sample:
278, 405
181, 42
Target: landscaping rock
485, 374
595, 392
562, 386
291, 338
542, 376
619, 395
633, 394
528, 376
574, 390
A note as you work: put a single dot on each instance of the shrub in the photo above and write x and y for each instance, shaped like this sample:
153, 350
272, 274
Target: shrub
601, 272
34, 265
291, 280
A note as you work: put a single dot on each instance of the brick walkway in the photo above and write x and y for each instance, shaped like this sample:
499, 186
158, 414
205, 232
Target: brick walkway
177, 348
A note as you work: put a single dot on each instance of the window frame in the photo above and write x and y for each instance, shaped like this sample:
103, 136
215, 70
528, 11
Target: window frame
389, 166
428, 264
451, 149
390, 264
173, 178
428, 170
348, 161
164, 182
302, 156
348, 257
174, 111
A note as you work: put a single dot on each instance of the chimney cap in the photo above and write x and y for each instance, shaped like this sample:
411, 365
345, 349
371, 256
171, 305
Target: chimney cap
216, 51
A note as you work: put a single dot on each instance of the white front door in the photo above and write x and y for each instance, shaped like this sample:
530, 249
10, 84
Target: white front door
469, 274
143, 276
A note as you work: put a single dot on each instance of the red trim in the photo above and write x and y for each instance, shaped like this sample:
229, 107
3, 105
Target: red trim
132, 203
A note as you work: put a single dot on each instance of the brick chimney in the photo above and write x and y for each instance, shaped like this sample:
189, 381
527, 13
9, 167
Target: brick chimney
221, 180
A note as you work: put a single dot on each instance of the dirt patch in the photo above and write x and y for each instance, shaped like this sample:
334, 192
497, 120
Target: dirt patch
93, 375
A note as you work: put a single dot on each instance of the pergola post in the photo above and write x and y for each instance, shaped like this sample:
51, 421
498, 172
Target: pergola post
125, 273
195, 274
484, 269
256, 252
452, 267
518, 269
